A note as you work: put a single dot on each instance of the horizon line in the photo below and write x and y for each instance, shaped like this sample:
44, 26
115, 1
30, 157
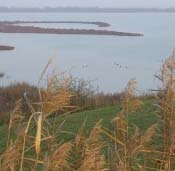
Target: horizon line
94, 7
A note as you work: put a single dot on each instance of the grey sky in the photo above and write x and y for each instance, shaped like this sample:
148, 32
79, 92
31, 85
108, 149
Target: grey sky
100, 3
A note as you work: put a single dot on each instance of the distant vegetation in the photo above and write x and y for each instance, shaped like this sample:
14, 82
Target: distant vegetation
85, 96
50, 134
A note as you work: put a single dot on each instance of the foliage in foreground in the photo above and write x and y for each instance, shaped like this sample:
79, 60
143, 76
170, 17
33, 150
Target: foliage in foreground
34, 144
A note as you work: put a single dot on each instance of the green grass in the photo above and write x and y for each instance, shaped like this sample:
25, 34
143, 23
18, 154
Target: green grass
143, 119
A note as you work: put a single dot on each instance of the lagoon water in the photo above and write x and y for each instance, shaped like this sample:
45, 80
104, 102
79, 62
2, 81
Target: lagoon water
142, 55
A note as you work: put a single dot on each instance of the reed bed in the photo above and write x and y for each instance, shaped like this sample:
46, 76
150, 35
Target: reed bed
34, 142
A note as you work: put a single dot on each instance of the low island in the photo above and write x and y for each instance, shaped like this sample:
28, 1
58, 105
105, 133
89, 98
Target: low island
5, 48
15, 27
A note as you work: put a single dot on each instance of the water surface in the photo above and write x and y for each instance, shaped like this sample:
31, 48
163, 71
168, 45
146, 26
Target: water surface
142, 55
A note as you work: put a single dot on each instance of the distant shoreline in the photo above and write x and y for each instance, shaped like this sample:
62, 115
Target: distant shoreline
86, 10
6, 48
12, 27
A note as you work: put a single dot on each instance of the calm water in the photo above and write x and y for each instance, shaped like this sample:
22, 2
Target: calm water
142, 55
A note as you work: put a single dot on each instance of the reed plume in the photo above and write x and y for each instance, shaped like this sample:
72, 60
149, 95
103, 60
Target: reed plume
89, 149
10, 160
59, 159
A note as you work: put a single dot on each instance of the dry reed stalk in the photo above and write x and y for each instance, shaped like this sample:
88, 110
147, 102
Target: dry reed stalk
41, 77
38, 137
24, 141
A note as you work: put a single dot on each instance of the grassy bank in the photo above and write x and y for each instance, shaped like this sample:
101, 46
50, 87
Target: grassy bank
143, 119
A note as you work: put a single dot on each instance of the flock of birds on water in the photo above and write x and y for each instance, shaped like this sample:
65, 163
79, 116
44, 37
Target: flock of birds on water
120, 66
115, 63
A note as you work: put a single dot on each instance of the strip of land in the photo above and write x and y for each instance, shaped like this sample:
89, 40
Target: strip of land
4, 48
12, 27
97, 23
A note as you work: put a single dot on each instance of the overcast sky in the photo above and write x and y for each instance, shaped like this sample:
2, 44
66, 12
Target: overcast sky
100, 3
